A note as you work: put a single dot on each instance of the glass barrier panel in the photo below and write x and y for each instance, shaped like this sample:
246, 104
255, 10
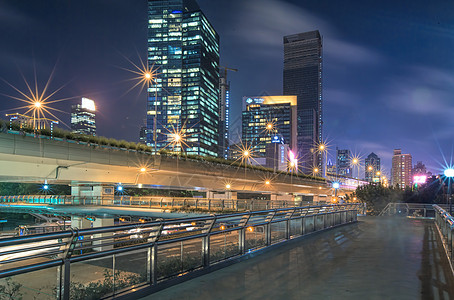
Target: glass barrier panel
40, 284
278, 231
92, 279
224, 245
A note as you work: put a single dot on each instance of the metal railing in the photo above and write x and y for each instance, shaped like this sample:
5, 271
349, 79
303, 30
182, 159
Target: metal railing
155, 202
111, 261
409, 210
445, 223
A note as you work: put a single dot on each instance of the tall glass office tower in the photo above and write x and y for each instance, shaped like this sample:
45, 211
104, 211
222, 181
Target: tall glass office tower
303, 77
184, 47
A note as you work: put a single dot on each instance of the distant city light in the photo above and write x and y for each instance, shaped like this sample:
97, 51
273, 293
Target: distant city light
120, 188
228, 186
419, 179
143, 170
336, 185
88, 104
449, 172
45, 187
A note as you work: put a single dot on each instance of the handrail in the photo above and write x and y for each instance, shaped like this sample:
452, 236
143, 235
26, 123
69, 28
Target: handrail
82, 245
445, 224
208, 204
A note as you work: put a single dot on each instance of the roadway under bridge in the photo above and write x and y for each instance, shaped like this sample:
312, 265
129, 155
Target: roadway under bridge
26, 158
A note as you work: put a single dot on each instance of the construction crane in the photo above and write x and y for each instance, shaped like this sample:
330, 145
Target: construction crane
227, 69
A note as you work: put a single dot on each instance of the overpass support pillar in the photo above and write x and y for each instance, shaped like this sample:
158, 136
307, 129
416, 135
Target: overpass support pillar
93, 194
105, 236
80, 222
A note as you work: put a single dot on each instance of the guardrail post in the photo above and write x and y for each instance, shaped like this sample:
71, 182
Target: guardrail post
268, 219
242, 233
206, 242
64, 280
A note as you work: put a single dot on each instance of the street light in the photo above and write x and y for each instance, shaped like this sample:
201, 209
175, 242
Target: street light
449, 173
336, 186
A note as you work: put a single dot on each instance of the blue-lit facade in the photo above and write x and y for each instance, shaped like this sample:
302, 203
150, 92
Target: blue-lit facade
184, 47
343, 166
258, 112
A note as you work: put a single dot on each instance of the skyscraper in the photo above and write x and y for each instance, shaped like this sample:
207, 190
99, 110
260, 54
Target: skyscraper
184, 47
278, 112
371, 167
83, 117
401, 169
303, 77
224, 110
343, 167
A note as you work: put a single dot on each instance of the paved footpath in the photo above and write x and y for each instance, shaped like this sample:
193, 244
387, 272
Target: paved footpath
376, 258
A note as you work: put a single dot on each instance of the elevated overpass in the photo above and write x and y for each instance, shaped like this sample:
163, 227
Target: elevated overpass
91, 167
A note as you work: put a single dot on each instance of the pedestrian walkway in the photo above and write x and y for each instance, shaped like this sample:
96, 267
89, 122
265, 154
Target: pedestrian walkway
376, 258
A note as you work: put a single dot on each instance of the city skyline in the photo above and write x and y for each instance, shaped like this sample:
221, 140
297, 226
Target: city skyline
372, 98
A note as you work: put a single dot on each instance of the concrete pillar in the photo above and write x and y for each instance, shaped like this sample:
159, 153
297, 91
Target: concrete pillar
103, 223
80, 222
93, 194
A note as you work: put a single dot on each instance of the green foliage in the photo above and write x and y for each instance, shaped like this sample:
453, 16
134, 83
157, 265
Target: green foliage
376, 196
98, 289
45, 131
10, 290
12, 188
122, 144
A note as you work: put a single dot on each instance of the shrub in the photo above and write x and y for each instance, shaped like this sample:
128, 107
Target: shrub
113, 142
103, 140
132, 146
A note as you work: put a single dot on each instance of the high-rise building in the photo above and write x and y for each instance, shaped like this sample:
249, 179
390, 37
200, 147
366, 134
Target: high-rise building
371, 167
83, 117
330, 167
401, 169
184, 47
269, 119
224, 109
343, 166
303, 78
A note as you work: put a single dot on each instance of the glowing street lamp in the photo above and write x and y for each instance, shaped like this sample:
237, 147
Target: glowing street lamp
228, 186
267, 182
449, 173
143, 170
336, 186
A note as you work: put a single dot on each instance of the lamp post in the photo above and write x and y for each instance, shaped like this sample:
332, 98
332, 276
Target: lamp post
322, 148
449, 173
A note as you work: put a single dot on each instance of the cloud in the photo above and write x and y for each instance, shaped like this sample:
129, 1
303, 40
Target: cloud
349, 53
263, 24
423, 91
12, 16
340, 97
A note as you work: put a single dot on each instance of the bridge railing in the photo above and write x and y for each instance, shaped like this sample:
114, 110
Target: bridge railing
409, 210
156, 202
111, 261
445, 224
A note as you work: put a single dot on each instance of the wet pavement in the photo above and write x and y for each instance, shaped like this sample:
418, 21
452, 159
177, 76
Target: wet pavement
376, 258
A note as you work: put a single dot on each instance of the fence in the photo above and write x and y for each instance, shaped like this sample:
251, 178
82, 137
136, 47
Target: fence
119, 260
155, 202
409, 210
445, 224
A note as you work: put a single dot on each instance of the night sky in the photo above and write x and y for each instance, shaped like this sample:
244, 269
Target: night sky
388, 65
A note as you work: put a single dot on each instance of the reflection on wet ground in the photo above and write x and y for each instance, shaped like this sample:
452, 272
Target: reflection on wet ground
376, 258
